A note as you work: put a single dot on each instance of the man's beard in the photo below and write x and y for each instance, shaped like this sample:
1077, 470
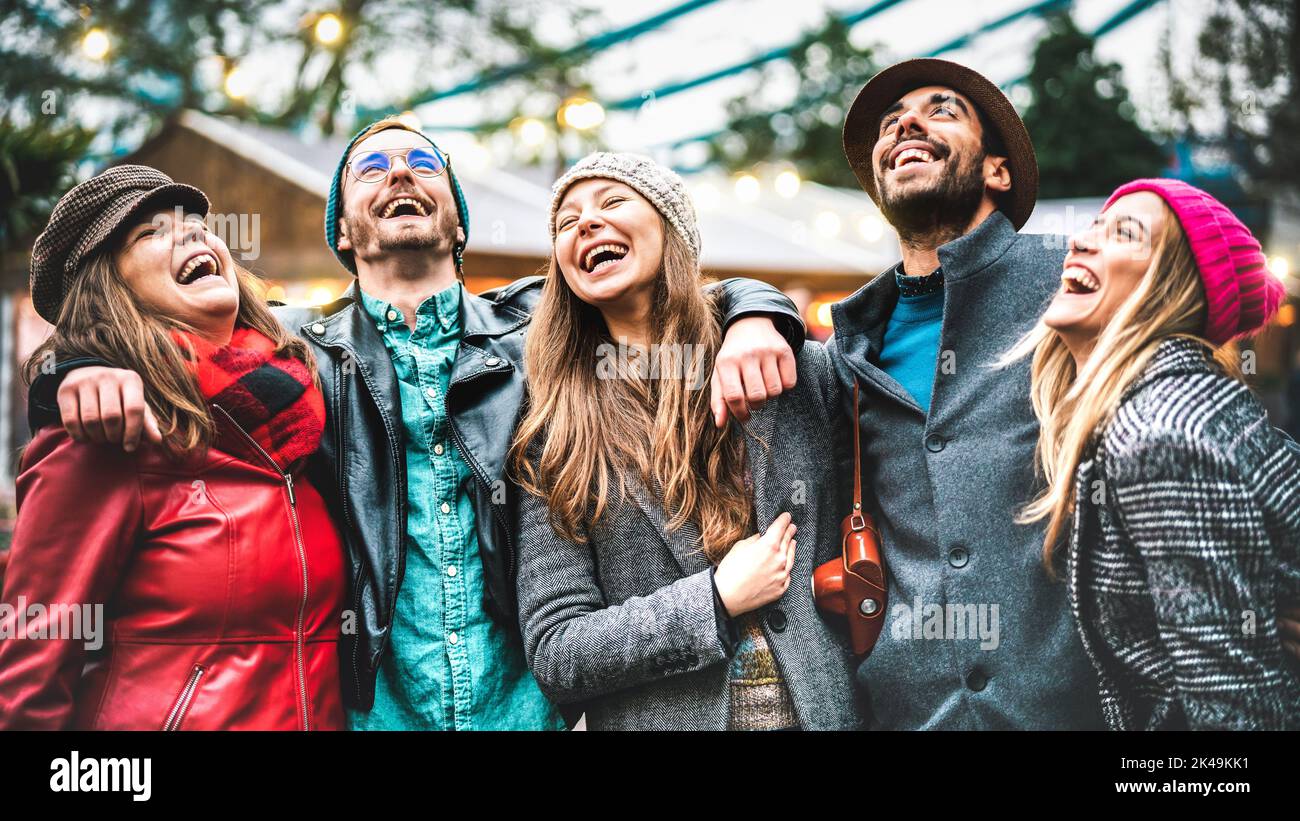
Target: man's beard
439, 239
940, 212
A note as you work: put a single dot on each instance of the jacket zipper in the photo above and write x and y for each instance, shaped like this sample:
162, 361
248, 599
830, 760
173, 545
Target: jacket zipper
298, 640
182, 705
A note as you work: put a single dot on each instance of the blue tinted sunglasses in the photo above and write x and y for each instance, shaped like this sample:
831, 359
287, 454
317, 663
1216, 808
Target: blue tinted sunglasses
373, 166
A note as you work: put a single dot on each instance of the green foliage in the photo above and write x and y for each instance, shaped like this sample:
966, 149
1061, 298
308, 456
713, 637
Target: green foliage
36, 165
171, 54
1081, 120
1244, 88
807, 132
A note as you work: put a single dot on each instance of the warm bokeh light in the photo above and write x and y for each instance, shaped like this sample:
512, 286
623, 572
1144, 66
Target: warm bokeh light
822, 313
871, 228
95, 44
828, 224
275, 293
329, 28
320, 295
238, 83
531, 131
1286, 315
581, 113
787, 184
1280, 266
747, 188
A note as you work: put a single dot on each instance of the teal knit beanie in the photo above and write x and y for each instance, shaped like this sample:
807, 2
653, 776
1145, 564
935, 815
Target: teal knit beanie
334, 204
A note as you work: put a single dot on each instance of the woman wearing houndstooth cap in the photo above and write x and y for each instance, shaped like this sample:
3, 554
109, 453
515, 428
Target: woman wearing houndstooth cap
638, 511
131, 278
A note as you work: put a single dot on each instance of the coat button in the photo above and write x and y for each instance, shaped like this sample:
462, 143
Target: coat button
935, 443
318, 328
776, 620
491, 361
958, 556
977, 680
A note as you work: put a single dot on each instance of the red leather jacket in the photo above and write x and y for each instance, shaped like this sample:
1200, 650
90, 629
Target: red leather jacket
221, 582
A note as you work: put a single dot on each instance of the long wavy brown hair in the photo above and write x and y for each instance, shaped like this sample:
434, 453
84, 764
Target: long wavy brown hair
585, 434
1073, 405
102, 317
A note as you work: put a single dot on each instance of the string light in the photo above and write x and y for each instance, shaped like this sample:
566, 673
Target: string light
747, 188
827, 223
871, 228
1280, 266
95, 44
787, 184
238, 83
581, 114
531, 131
329, 28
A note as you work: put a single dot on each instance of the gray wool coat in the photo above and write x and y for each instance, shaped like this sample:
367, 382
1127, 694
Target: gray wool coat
945, 487
1186, 540
625, 626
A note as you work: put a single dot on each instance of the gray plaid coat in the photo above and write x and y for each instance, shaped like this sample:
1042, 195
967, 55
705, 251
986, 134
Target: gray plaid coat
1186, 537
625, 626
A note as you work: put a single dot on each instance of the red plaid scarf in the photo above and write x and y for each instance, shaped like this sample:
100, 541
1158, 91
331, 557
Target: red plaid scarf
271, 397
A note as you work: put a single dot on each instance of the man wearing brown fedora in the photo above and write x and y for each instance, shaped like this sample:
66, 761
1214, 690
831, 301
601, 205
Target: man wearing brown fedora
948, 440
978, 636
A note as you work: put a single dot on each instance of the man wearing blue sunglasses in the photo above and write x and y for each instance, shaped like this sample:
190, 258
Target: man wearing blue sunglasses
423, 383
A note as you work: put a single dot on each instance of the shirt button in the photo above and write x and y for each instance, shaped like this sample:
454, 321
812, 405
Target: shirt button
958, 556
451, 571
446, 508
392, 316
977, 680
453, 638
318, 328
491, 361
431, 393
935, 443
437, 449
445, 321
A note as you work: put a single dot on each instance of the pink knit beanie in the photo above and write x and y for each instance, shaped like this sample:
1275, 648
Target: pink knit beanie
1241, 293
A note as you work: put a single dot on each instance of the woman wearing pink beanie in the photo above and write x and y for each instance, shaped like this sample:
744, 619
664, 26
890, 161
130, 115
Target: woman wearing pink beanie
1172, 505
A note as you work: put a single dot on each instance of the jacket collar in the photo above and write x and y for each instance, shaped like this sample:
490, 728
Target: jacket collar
479, 317
974, 251
870, 306
1174, 357
685, 542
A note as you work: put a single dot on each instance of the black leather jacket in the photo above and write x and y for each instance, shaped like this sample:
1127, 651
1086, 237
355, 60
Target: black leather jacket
360, 469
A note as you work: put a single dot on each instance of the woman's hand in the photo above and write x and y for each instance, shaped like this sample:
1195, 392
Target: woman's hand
106, 406
757, 570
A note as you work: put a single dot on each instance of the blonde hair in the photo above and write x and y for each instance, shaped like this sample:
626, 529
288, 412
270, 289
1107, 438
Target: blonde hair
591, 432
1073, 408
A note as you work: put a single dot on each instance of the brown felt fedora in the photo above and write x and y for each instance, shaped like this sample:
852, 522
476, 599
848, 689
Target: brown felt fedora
862, 124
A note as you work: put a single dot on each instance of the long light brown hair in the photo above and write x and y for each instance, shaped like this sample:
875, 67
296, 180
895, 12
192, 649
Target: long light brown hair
1169, 301
593, 433
102, 317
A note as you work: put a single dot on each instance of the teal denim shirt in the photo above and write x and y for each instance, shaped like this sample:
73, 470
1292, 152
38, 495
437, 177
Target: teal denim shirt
448, 666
